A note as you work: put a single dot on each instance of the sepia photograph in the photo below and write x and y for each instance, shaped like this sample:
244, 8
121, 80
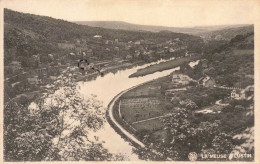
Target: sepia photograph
133, 80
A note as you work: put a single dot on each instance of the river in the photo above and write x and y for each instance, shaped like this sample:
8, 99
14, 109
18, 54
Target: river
106, 88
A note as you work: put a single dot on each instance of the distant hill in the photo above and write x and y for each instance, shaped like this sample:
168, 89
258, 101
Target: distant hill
135, 27
227, 34
26, 35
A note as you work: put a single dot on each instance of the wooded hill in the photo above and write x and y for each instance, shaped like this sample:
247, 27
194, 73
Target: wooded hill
28, 34
197, 30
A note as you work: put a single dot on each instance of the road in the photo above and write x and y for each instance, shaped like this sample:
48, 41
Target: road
221, 104
126, 133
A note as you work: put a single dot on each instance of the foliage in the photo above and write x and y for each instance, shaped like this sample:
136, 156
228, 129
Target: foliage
202, 96
230, 68
55, 127
184, 137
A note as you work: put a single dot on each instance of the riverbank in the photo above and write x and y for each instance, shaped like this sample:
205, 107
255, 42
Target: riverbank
126, 131
128, 123
163, 66
144, 129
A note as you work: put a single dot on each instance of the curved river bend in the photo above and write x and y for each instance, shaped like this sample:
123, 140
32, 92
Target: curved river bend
106, 88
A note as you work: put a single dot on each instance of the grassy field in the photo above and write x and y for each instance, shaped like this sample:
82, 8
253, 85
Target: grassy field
162, 66
151, 90
149, 125
136, 114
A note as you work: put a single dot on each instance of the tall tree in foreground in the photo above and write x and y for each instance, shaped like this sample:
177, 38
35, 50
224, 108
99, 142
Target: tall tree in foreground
59, 125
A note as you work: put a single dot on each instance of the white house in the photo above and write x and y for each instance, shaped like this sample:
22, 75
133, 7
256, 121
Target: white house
15, 65
206, 82
97, 36
238, 94
34, 80
180, 79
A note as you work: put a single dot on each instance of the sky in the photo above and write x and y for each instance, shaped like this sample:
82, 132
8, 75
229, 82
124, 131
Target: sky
173, 13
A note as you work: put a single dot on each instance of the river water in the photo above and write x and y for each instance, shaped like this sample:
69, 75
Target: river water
106, 88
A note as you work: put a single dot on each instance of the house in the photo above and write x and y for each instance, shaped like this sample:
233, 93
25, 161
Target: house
204, 63
71, 55
109, 42
129, 57
171, 50
116, 49
137, 43
238, 94
84, 55
206, 82
36, 58
89, 52
53, 78
34, 80
97, 37
15, 65
137, 54
50, 56
249, 90
180, 80
160, 52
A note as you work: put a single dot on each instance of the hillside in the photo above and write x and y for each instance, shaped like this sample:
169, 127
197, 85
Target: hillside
227, 34
230, 64
28, 34
137, 27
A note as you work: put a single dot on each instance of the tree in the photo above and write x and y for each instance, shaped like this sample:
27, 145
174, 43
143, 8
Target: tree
184, 137
55, 127
188, 104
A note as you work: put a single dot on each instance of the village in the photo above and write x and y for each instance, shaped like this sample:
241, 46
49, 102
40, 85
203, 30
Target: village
43, 69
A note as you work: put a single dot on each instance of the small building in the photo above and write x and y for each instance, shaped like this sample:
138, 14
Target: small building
97, 37
51, 57
129, 57
206, 82
34, 80
177, 39
238, 94
180, 79
204, 63
137, 43
109, 42
53, 78
249, 90
15, 65
137, 54
36, 58
89, 52
171, 50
